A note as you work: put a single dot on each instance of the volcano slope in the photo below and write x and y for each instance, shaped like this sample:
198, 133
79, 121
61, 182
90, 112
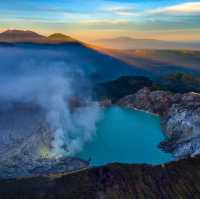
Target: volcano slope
158, 62
179, 179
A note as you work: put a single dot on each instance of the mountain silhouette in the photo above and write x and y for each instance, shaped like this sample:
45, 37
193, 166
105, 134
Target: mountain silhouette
27, 36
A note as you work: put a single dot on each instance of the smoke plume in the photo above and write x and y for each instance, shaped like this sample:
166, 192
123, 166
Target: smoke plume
47, 79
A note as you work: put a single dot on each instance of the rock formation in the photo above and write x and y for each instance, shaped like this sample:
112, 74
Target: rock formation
182, 126
157, 102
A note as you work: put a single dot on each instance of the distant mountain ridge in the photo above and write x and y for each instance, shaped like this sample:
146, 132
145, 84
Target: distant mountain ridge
17, 36
58, 37
27, 36
144, 62
132, 43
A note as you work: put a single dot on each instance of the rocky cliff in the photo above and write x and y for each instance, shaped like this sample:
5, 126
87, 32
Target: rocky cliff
180, 116
157, 102
182, 126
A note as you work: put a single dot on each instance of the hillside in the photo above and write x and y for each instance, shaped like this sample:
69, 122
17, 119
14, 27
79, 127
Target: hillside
131, 43
153, 62
143, 62
60, 38
187, 58
158, 60
179, 179
127, 85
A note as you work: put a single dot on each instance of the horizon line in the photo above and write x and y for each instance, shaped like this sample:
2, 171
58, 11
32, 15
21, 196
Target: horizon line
95, 40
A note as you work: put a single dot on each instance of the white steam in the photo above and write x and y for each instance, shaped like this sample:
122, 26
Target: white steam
50, 85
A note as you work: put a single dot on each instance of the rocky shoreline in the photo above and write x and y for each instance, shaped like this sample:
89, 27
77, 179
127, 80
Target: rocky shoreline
175, 98
180, 117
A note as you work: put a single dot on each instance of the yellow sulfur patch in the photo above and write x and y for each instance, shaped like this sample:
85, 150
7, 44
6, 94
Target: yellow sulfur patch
44, 152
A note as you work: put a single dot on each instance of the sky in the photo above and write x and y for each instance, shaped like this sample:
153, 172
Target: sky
95, 19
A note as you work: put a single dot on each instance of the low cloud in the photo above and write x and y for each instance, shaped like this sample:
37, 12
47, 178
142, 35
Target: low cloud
123, 10
179, 9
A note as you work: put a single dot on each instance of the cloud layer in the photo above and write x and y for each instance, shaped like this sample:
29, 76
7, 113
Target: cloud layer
179, 9
106, 15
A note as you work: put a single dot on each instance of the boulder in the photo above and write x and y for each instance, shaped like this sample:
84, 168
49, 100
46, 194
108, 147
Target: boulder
182, 125
157, 102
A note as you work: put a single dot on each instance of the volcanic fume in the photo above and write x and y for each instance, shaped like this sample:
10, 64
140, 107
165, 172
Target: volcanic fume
37, 119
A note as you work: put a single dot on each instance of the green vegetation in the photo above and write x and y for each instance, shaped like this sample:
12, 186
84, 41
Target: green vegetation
127, 85
183, 77
121, 87
182, 82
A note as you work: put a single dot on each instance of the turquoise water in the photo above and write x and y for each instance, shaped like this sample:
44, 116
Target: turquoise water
126, 136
